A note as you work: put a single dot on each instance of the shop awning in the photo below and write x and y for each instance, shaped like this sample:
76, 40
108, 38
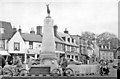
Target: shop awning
59, 52
4, 53
16, 52
33, 51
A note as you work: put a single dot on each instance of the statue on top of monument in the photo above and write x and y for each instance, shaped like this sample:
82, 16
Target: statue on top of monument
48, 10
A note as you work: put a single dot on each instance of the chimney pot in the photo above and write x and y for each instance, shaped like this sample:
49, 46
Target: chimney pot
32, 31
14, 29
20, 30
66, 31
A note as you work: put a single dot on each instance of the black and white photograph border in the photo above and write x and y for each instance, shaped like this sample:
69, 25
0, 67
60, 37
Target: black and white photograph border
59, 39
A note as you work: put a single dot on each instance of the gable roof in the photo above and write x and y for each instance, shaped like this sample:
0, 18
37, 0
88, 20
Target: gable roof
8, 31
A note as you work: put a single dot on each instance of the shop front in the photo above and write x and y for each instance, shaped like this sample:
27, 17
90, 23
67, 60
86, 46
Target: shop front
59, 54
33, 53
19, 53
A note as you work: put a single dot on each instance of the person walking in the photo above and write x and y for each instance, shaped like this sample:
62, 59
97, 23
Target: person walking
17, 63
28, 62
63, 63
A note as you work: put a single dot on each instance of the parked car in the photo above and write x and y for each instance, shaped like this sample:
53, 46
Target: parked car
35, 61
75, 62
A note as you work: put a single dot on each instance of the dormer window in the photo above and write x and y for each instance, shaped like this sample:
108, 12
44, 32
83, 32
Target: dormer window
72, 40
63, 38
68, 39
1, 30
104, 46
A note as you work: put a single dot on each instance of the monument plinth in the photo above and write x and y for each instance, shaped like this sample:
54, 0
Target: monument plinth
48, 41
48, 56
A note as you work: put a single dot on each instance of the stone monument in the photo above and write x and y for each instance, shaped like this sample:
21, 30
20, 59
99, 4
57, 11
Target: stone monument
48, 56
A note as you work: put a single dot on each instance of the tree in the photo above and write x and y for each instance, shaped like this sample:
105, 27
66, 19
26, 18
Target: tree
89, 36
107, 38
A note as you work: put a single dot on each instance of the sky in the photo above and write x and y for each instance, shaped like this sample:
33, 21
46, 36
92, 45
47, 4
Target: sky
77, 16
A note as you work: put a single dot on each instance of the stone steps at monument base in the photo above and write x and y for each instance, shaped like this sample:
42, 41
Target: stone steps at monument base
51, 75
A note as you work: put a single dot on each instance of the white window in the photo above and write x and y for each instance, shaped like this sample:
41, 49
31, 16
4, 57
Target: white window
1, 30
16, 46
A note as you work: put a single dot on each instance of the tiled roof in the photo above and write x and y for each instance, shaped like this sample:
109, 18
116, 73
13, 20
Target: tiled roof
31, 37
8, 31
68, 36
58, 40
36, 38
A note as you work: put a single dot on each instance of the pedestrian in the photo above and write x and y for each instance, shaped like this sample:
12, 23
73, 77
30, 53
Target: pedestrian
63, 63
17, 62
28, 62
2, 61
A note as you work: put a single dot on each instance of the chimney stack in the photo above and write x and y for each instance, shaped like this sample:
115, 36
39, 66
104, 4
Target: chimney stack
14, 29
20, 30
32, 31
66, 31
55, 29
39, 30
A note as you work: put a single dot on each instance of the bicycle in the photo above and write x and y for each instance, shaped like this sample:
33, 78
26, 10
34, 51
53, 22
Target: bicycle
104, 71
59, 72
14, 71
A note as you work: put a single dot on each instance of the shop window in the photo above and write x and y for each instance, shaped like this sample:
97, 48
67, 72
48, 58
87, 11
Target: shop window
16, 46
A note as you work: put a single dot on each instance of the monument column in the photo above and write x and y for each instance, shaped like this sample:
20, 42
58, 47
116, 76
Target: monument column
48, 55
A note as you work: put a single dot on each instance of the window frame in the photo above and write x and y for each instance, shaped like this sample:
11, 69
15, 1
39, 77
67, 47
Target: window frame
18, 46
30, 44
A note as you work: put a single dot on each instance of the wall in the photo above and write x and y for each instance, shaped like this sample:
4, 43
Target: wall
16, 38
36, 45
